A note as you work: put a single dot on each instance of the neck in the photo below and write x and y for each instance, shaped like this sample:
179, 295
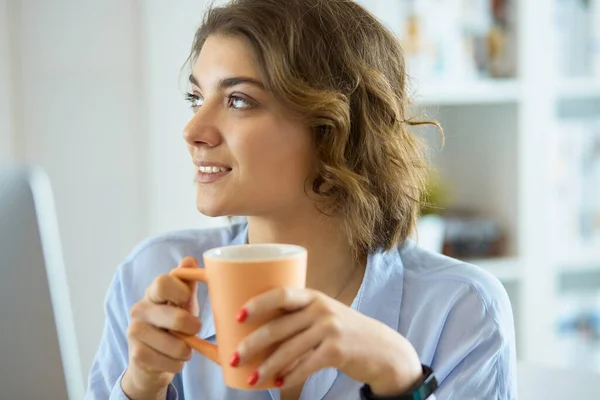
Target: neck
332, 266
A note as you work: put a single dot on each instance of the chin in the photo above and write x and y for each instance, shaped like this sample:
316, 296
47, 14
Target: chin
209, 204
210, 211
212, 207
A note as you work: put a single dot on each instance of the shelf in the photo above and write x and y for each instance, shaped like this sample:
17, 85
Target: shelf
580, 88
464, 93
582, 261
506, 269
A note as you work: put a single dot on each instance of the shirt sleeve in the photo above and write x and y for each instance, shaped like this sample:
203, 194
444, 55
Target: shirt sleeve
110, 362
476, 357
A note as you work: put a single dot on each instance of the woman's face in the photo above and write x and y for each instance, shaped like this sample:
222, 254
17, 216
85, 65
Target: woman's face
251, 157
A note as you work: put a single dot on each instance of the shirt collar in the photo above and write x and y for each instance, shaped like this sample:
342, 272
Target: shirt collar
380, 294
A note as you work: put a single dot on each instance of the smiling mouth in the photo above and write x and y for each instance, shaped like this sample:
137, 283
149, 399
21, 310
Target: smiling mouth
208, 174
213, 170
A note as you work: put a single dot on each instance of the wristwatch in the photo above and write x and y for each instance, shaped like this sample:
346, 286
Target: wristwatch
421, 392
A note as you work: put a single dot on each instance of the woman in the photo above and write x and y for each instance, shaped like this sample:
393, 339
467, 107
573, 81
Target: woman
299, 125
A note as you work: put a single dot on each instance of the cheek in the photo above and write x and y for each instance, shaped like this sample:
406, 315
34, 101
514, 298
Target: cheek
279, 157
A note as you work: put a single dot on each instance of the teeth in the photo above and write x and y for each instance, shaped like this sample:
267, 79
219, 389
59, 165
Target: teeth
211, 170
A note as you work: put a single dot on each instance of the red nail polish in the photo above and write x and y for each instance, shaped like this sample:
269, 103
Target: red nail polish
279, 382
235, 359
242, 315
253, 378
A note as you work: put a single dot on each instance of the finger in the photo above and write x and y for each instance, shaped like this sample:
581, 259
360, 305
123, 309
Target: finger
317, 361
273, 332
288, 353
163, 342
148, 359
171, 318
289, 368
192, 304
281, 299
168, 289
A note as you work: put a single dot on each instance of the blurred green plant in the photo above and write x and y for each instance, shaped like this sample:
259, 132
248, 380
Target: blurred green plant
435, 197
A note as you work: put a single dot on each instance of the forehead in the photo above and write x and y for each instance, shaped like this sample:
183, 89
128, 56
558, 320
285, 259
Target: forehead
225, 57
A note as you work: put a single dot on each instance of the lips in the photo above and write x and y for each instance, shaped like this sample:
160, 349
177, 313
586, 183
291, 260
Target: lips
209, 172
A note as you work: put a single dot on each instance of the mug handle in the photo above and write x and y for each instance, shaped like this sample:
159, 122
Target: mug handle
204, 347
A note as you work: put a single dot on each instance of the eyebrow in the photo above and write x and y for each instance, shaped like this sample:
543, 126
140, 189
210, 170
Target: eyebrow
234, 81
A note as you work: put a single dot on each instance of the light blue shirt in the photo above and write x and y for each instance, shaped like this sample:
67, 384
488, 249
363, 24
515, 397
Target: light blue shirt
456, 315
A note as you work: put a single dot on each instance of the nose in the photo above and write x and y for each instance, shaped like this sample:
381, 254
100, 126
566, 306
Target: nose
202, 130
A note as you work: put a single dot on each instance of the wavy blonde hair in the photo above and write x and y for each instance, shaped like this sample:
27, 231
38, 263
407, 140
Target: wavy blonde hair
334, 64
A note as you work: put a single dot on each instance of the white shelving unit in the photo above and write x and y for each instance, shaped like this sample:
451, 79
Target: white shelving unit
477, 92
497, 160
507, 269
579, 88
586, 260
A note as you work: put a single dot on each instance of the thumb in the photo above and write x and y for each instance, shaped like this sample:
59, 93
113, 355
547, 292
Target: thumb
192, 304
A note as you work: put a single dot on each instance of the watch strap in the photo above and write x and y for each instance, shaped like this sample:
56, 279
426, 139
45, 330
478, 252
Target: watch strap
422, 391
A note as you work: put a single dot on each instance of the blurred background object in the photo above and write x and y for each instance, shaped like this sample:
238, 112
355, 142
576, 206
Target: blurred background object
431, 229
93, 92
578, 28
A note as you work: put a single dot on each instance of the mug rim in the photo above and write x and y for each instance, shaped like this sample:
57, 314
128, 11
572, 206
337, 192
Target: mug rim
297, 251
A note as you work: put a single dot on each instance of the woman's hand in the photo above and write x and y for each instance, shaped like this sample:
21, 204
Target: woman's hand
319, 332
155, 355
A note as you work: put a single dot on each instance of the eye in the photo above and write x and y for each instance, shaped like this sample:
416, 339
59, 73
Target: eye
195, 100
239, 103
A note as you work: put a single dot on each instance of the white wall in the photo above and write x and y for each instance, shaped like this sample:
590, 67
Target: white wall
6, 148
78, 113
91, 91
168, 31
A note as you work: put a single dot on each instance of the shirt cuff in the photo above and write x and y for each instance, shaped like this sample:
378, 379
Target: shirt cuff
118, 394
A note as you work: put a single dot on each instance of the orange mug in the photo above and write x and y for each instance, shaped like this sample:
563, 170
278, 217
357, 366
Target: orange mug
234, 275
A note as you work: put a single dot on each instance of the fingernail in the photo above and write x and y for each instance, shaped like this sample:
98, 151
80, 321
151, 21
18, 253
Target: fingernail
253, 378
279, 382
242, 315
235, 359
